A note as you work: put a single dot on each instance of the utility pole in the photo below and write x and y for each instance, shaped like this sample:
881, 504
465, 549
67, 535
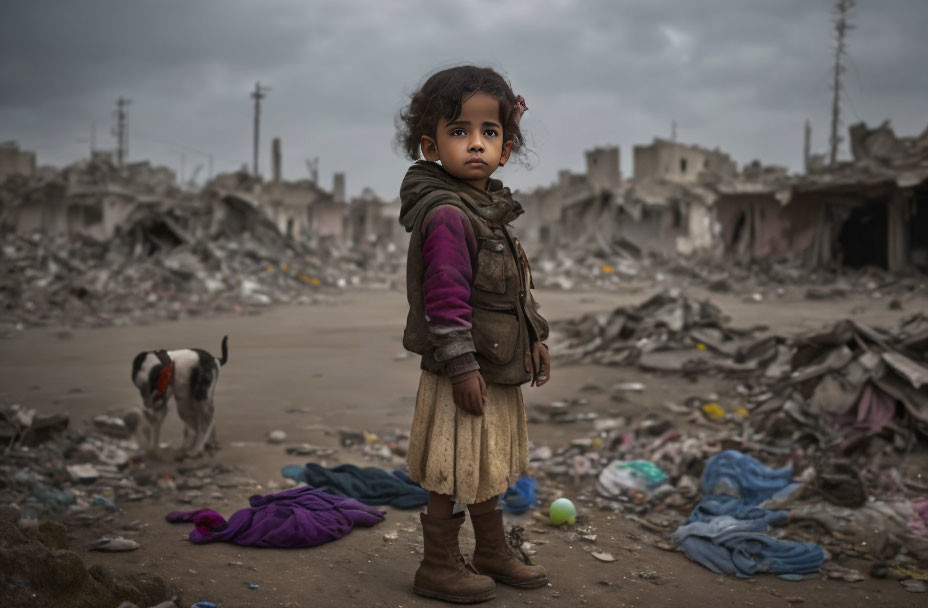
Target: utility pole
673, 130
122, 130
807, 146
93, 138
842, 26
258, 94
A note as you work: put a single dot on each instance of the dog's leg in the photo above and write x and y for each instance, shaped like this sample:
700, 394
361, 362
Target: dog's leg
154, 418
212, 443
205, 425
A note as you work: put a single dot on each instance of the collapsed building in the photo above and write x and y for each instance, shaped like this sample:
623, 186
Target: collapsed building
872, 211
14, 161
683, 199
96, 244
90, 198
666, 207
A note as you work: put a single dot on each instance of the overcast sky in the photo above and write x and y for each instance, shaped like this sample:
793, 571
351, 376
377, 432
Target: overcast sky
743, 75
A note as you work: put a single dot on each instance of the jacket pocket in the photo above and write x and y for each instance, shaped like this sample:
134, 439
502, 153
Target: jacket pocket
495, 333
491, 266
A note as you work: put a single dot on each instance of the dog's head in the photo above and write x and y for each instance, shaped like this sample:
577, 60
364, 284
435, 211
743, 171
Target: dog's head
152, 373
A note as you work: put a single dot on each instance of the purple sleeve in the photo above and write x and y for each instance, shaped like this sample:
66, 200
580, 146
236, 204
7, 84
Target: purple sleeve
448, 253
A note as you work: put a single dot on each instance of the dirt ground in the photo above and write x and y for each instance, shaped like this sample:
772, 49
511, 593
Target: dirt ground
310, 370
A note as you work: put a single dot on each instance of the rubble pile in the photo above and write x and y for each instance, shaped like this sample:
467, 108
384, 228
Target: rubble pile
40, 569
599, 264
623, 266
170, 253
846, 407
668, 332
80, 476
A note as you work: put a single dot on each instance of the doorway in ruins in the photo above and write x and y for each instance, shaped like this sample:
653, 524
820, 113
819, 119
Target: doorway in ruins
918, 228
863, 238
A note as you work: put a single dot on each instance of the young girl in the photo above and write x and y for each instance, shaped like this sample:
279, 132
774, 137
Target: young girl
474, 321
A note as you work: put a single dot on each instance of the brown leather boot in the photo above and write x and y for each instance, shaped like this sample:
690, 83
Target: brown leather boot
443, 574
494, 557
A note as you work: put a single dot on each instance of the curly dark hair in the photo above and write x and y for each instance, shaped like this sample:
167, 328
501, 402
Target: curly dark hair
442, 96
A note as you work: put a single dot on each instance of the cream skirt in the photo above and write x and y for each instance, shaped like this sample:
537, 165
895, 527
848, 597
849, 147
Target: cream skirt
471, 458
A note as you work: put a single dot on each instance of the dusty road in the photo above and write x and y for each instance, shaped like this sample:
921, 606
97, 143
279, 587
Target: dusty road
309, 370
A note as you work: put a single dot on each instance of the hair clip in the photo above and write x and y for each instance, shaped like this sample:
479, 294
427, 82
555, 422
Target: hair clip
519, 109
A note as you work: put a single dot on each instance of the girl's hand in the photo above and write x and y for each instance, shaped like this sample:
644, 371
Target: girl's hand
541, 362
470, 392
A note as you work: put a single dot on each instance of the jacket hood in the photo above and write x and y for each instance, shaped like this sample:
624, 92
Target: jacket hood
426, 185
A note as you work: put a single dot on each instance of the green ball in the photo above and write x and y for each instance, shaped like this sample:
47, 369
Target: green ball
562, 511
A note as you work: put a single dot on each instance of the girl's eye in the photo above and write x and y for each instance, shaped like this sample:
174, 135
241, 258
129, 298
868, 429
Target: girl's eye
456, 132
490, 132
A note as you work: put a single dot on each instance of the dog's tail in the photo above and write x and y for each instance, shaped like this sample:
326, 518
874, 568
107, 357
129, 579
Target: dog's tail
225, 350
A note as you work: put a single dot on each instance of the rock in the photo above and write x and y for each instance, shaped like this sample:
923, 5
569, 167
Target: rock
914, 585
53, 534
83, 473
603, 556
113, 544
276, 437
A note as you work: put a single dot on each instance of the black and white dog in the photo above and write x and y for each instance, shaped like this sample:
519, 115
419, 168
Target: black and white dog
190, 376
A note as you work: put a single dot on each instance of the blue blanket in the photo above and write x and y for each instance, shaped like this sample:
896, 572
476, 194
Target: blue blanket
370, 485
726, 532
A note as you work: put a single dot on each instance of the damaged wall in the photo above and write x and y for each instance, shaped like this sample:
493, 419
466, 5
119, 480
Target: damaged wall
14, 161
680, 162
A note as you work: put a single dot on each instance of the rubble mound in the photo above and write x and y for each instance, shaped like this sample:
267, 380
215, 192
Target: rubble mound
37, 573
125, 249
668, 332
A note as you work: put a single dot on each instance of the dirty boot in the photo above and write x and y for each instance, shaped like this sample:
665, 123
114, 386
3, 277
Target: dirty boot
494, 557
443, 574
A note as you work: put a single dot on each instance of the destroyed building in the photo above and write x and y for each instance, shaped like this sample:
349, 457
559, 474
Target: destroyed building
668, 217
872, 211
90, 198
373, 222
95, 244
666, 208
563, 210
14, 161
680, 163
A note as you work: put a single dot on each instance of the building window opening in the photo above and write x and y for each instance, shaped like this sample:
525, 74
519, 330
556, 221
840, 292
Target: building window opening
682, 165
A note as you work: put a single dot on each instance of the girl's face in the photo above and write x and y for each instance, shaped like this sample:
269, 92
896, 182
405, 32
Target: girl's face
471, 146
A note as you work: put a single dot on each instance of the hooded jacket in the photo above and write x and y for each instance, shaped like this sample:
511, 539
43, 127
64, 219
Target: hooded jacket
504, 320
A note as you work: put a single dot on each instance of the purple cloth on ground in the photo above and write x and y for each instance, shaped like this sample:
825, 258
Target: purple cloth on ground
448, 253
871, 412
298, 517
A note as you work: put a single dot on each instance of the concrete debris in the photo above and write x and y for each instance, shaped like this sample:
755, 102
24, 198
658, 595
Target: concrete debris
80, 476
846, 406
120, 248
39, 569
116, 544
668, 332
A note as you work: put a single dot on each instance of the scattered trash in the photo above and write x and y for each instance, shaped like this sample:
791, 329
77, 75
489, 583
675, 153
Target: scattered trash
603, 557
113, 544
620, 477
913, 585
520, 497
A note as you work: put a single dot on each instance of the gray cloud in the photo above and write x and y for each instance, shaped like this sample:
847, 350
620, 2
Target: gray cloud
741, 75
